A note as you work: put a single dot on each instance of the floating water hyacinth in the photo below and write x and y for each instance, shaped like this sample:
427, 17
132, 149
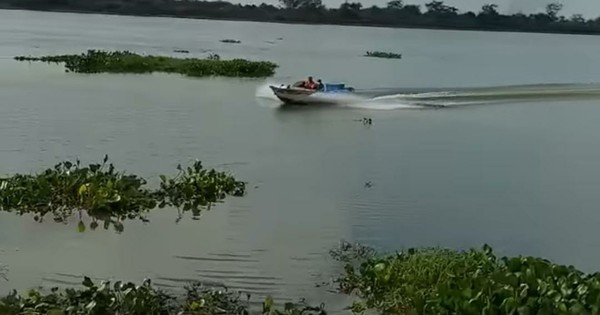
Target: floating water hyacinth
127, 62
127, 298
445, 281
107, 195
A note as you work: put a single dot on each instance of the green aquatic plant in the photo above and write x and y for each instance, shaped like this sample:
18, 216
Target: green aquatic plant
144, 299
3, 272
443, 281
107, 195
49, 59
381, 54
98, 189
196, 188
94, 61
415, 281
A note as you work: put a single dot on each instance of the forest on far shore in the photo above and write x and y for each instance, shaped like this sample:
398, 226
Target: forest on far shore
395, 13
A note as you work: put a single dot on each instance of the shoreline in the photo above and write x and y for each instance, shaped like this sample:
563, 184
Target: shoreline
293, 22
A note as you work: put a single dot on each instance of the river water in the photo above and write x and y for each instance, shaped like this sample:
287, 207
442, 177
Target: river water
518, 169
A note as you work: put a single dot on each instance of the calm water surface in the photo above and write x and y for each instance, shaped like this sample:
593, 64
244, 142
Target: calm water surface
520, 175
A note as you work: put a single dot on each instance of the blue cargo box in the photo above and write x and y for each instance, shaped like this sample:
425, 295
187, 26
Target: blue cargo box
334, 87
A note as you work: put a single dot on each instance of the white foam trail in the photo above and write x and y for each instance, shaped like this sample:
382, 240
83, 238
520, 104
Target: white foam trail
416, 96
381, 106
338, 98
448, 98
265, 97
389, 97
360, 102
264, 91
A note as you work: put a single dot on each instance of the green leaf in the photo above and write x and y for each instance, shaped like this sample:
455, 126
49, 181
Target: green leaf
267, 304
114, 198
83, 189
289, 306
87, 282
524, 310
562, 307
90, 306
81, 227
194, 306
379, 267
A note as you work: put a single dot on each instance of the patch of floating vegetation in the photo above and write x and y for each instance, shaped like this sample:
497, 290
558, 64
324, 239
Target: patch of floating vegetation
445, 281
214, 57
110, 196
231, 41
381, 54
94, 61
144, 299
420, 281
3, 271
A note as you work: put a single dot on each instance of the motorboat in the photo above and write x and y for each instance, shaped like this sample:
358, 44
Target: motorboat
294, 94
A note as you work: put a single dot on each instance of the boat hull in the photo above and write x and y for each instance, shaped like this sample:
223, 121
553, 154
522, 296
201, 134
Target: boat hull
300, 96
297, 96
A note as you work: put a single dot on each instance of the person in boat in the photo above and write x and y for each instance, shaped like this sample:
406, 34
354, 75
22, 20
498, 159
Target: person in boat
309, 84
320, 85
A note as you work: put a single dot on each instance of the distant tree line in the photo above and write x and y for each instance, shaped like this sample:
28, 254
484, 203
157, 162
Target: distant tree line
435, 14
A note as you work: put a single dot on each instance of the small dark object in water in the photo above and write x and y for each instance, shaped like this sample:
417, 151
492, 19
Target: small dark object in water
183, 51
365, 121
381, 54
231, 41
368, 184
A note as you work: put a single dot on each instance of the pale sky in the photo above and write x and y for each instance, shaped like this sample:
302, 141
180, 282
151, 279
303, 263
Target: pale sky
589, 8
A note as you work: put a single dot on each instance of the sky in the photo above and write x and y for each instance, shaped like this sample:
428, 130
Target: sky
589, 8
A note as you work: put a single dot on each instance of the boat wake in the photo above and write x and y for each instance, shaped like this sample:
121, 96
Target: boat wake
394, 98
